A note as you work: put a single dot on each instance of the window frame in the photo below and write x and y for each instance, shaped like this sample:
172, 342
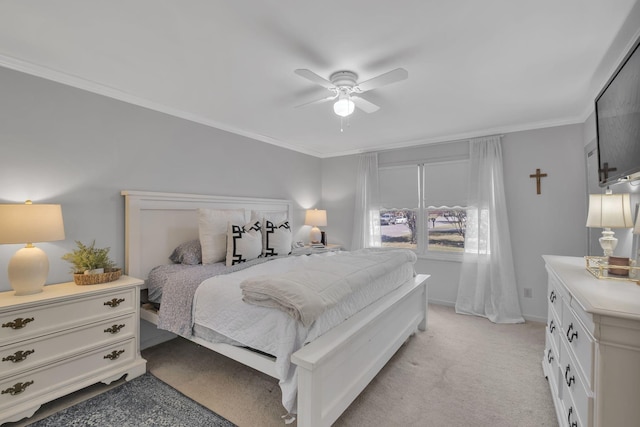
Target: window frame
422, 246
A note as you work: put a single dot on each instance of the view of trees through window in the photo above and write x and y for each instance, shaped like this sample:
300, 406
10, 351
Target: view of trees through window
445, 228
398, 228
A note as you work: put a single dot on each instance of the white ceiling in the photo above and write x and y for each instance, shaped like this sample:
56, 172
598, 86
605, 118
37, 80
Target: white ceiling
475, 67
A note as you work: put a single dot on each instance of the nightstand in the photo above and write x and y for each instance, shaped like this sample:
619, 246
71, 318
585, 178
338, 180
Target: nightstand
64, 339
308, 250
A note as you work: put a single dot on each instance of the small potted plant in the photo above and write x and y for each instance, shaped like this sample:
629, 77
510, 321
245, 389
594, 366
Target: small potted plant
91, 265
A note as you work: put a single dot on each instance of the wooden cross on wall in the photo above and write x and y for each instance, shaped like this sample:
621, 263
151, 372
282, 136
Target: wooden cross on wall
538, 176
604, 172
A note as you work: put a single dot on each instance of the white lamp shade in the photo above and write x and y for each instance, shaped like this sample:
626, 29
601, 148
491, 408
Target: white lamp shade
316, 218
344, 107
28, 223
609, 211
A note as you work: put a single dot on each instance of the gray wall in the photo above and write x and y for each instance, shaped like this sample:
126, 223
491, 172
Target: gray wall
549, 223
64, 145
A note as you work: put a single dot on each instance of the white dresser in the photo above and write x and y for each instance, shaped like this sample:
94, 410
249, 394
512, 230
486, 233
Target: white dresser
592, 352
64, 339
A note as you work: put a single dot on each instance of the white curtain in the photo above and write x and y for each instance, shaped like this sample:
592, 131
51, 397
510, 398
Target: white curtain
366, 221
487, 281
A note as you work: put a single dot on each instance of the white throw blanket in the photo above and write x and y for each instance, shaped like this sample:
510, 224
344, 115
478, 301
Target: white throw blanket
308, 292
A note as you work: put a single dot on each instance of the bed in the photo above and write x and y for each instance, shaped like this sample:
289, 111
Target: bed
332, 369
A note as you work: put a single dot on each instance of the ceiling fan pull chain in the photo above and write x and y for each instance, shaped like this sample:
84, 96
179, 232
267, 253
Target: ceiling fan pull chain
342, 121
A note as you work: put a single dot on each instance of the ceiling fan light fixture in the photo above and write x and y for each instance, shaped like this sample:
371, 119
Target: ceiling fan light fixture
344, 106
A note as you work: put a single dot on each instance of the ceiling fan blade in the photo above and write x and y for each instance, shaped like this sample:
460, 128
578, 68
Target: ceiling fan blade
364, 105
383, 79
317, 101
313, 77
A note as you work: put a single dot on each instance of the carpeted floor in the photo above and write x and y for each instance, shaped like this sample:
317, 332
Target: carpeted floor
463, 371
143, 401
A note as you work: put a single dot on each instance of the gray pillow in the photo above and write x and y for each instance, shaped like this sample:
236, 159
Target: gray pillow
189, 253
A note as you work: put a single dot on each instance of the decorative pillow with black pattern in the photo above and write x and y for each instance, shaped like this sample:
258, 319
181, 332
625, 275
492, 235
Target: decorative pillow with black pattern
244, 242
276, 239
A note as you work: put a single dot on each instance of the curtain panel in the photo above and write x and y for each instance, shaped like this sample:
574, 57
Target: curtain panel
487, 285
366, 221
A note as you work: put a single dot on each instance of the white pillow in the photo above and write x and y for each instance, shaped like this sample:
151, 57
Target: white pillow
244, 242
273, 216
212, 228
276, 238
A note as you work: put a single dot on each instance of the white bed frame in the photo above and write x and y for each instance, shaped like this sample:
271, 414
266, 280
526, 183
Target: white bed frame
333, 369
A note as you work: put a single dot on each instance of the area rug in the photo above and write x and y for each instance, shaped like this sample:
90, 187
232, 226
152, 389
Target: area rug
143, 401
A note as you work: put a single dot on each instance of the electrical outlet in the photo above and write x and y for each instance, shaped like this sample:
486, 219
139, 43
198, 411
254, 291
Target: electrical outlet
528, 293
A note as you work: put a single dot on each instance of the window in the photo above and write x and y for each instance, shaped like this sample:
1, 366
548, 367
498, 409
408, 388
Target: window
423, 207
400, 197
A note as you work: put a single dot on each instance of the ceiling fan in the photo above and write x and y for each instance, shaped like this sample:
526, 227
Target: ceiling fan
344, 87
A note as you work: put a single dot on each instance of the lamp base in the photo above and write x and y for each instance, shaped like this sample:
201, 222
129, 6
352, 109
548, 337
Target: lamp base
315, 236
608, 242
28, 270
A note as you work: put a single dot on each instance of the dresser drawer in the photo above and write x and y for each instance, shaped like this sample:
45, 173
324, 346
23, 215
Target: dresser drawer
25, 355
571, 416
39, 319
579, 342
550, 365
573, 386
554, 331
555, 294
578, 405
28, 385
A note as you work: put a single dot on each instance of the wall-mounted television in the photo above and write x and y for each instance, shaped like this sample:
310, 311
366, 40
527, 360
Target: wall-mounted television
618, 122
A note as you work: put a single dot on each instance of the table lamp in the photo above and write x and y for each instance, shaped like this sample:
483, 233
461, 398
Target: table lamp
609, 211
29, 223
315, 218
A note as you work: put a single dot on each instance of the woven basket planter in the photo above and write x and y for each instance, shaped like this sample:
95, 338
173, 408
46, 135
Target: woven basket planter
94, 279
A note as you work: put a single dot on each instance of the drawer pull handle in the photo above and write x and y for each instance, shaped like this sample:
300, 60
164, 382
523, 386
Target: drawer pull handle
114, 329
571, 336
18, 323
566, 376
114, 302
18, 356
17, 388
113, 355
552, 326
571, 424
552, 296
549, 356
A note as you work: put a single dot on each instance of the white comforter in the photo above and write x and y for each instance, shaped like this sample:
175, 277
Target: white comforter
218, 306
306, 292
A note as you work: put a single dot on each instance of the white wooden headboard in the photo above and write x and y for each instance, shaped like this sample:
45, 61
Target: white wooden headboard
155, 223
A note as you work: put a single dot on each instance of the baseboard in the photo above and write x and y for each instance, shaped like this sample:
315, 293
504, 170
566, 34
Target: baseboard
527, 317
441, 302
530, 318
